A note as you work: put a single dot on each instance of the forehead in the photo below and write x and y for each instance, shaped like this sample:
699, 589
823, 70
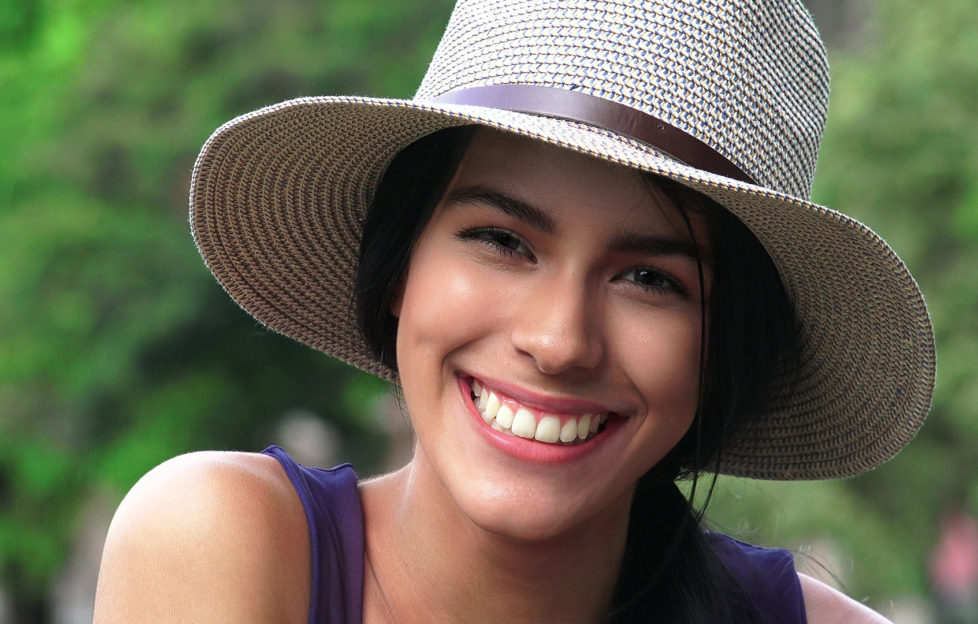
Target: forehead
570, 185
493, 154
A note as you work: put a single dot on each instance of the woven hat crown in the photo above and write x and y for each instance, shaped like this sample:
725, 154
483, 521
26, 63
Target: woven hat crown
749, 78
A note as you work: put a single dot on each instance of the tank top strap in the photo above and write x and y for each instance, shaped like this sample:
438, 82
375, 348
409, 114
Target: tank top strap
331, 502
768, 576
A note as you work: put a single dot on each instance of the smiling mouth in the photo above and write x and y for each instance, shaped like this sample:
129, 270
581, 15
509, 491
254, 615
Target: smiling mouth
509, 417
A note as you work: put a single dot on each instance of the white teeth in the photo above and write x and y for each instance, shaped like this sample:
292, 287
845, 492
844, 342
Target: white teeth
504, 416
492, 406
548, 429
568, 433
482, 398
584, 426
524, 424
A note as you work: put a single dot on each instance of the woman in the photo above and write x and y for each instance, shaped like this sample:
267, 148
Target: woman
584, 254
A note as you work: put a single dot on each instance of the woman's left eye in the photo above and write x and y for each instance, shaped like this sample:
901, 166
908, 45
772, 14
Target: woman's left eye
654, 280
499, 239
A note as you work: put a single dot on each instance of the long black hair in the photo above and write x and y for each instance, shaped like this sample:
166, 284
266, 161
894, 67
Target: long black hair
670, 572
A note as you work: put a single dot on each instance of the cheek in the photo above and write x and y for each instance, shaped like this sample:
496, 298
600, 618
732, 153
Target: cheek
664, 363
442, 315
665, 367
441, 308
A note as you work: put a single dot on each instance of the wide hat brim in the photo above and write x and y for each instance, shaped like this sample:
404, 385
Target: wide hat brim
278, 199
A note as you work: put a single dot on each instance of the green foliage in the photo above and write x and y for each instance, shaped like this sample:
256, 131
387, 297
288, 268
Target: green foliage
119, 348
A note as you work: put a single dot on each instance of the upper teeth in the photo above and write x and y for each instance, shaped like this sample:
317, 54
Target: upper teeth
508, 416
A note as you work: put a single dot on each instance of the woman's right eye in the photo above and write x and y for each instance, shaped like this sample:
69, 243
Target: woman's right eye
501, 240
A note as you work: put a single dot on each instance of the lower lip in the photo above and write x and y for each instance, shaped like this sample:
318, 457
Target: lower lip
534, 450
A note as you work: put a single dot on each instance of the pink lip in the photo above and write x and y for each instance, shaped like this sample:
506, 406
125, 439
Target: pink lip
541, 402
532, 450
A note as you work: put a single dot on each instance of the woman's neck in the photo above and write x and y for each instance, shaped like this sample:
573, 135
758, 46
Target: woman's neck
427, 562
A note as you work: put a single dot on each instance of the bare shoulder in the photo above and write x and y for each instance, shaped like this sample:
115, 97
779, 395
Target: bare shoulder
211, 536
827, 605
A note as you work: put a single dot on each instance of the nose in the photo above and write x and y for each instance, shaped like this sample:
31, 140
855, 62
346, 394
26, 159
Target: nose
558, 325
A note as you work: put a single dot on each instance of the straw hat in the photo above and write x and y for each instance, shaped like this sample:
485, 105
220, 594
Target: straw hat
728, 97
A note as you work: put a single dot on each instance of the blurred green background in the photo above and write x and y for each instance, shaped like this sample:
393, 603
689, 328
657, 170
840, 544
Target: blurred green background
118, 349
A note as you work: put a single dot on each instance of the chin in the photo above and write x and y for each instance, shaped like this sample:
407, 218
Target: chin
524, 515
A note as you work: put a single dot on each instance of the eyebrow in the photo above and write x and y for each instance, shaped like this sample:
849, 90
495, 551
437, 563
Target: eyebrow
624, 242
512, 206
651, 245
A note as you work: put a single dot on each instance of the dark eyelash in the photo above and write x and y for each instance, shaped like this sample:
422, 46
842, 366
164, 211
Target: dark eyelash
495, 238
672, 285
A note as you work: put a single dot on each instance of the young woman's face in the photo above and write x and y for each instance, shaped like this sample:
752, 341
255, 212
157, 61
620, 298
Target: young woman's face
549, 336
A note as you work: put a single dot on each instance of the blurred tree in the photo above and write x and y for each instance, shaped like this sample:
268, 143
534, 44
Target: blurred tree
119, 349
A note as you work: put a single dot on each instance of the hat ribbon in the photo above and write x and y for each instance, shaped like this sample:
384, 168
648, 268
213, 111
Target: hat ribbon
597, 111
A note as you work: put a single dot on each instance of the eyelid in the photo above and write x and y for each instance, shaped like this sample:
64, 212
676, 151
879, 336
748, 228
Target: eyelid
484, 234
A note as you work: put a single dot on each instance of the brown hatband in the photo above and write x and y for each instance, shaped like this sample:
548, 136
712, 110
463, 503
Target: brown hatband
597, 111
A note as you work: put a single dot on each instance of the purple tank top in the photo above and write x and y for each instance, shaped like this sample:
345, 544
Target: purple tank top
332, 504
768, 575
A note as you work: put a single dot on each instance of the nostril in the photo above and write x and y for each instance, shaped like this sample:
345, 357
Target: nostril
559, 327
569, 354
